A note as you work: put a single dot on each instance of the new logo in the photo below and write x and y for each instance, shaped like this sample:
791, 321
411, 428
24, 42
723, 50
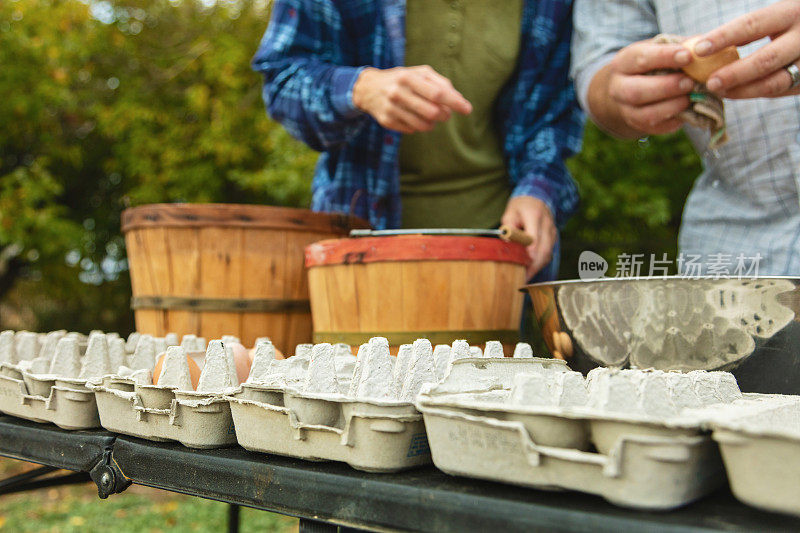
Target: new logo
591, 265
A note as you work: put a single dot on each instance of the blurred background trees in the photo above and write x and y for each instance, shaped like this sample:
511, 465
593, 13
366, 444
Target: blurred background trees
109, 104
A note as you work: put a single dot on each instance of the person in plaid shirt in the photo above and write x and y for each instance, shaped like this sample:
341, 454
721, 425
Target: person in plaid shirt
477, 90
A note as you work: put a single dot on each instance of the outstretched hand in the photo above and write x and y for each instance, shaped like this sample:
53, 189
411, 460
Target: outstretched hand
408, 99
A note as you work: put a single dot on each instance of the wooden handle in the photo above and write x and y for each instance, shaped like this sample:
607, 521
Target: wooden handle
509, 234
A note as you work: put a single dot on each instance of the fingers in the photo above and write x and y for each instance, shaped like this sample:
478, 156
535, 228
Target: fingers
650, 103
533, 217
640, 90
407, 99
531, 221
640, 58
764, 22
513, 219
436, 88
534, 223
405, 121
776, 84
758, 65
425, 109
418, 98
656, 118
539, 225
544, 250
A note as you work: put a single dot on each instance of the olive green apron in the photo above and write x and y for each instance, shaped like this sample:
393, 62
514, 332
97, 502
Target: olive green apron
455, 176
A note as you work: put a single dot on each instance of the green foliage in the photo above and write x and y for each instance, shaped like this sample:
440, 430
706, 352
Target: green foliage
111, 104
632, 196
29, 212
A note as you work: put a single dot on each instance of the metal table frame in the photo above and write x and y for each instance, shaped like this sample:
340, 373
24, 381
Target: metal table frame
333, 496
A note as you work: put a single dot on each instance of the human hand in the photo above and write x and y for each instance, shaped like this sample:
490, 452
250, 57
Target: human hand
408, 99
762, 73
532, 216
649, 104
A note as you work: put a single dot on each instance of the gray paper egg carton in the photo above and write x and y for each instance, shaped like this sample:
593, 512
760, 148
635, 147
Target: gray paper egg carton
647, 458
64, 404
306, 407
652, 403
34, 385
163, 413
326, 405
371, 436
760, 446
44, 376
172, 410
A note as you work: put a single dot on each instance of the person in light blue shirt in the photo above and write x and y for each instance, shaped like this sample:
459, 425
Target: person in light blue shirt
745, 204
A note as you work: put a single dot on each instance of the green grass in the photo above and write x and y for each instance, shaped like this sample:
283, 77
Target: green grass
138, 509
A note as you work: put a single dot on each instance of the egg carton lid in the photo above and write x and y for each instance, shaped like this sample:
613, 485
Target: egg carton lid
472, 381
464, 372
767, 415
700, 418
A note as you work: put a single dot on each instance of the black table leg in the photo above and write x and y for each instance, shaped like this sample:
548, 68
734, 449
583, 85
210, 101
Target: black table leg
28, 480
233, 518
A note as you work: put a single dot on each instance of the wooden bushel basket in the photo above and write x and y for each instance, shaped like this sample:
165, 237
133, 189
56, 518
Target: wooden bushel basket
225, 269
408, 287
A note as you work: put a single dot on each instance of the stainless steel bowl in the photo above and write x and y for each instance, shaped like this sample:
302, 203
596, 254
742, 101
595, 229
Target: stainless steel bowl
747, 326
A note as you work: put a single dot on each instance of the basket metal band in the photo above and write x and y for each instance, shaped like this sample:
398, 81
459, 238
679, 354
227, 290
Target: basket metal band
396, 338
229, 305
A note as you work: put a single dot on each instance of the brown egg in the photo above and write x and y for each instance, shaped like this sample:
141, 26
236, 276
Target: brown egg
701, 67
241, 357
194, 370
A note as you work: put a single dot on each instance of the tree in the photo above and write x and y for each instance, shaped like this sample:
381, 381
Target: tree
114, 104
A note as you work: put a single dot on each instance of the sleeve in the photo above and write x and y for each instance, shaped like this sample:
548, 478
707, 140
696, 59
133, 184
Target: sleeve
543, 124
603, 28
308, 87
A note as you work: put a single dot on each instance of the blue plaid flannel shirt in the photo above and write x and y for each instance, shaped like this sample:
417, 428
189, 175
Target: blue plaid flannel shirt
312, 53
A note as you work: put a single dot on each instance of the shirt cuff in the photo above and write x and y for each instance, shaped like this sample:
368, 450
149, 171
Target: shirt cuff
342, 82
584, 78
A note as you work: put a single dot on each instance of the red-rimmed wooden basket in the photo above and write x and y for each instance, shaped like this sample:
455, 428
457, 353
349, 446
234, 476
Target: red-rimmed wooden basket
225, 269
407, 287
